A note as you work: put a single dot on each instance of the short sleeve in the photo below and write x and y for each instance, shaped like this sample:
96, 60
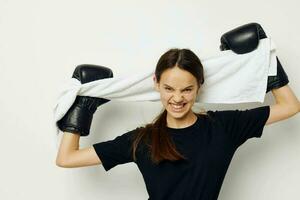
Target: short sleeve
116, 151
242, 125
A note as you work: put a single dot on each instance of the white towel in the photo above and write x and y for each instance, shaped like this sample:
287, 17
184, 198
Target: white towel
229, 78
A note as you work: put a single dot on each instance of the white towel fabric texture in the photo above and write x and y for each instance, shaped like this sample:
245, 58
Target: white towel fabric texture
228, 78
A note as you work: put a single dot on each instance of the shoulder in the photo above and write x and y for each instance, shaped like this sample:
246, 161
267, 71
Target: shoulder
239, 112
234, 116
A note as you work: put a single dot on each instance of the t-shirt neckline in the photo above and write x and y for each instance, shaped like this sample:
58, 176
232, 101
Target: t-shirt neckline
190, 127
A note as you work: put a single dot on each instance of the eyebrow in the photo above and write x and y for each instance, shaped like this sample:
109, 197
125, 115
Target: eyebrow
184, 88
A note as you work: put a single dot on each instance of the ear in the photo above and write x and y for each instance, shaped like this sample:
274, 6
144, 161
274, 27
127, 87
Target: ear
156, 85
198, 90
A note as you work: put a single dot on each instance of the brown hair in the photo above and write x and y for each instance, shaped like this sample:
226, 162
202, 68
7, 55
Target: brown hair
155, 135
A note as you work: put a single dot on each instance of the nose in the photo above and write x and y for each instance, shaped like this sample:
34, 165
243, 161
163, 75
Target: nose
178, 98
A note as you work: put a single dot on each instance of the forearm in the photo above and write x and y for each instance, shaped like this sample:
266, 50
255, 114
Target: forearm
285, 96
69, 143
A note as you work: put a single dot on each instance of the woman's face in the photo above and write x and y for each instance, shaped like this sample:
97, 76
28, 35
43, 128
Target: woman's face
178, 91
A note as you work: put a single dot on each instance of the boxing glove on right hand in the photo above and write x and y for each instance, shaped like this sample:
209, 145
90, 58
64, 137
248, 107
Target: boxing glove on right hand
79, 117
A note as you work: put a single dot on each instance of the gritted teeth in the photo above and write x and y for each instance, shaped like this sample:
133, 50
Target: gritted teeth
178, 105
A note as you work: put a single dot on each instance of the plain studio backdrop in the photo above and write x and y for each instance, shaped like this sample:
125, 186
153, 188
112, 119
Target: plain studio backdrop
41, 43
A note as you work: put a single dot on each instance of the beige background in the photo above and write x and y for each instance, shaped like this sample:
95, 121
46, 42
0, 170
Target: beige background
41, 42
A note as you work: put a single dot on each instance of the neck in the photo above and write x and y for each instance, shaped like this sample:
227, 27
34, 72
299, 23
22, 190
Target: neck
182, 122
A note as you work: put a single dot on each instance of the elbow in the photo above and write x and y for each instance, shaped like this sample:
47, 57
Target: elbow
60, 162
293, 111
64, 162
296, 108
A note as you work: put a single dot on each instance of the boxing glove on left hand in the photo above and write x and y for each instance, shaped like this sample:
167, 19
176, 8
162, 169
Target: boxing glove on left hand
245, 39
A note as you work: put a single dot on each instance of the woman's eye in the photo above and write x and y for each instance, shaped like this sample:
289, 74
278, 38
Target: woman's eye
184, 90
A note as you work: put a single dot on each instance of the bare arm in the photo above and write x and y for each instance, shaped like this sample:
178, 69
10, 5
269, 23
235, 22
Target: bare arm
69, 155
286, 105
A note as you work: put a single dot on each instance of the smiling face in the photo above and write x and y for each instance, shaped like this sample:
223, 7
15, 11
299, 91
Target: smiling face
178, 91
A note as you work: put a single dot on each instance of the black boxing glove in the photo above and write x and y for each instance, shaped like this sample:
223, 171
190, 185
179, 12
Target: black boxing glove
79, 117
245, 39
242, 39
281, 79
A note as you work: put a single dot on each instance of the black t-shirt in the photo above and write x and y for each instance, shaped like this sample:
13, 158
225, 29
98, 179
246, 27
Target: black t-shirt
209, 144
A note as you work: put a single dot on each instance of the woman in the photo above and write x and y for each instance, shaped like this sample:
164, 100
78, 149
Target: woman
181, 154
